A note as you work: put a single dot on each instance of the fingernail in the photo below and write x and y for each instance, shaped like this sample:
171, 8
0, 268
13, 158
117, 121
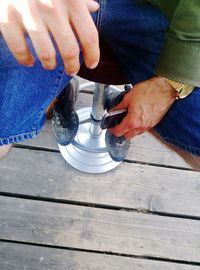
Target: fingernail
96, 4
49, 65
94, 65
26, 64
73, 74
30, 65
31, 61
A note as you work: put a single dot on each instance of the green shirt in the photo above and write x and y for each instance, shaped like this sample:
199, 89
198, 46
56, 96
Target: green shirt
180, 57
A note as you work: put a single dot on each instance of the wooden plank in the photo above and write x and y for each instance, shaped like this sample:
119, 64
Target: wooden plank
18, 257
45, 174
144, 148
149, 149
102, 230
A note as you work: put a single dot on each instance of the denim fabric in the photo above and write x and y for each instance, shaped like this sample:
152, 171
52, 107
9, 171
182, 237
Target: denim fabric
136, 33
25, 94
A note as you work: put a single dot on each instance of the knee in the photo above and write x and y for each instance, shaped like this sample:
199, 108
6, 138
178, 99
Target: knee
4, 150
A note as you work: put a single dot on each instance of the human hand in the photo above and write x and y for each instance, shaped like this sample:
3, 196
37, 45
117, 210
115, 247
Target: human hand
147, 103
66, 20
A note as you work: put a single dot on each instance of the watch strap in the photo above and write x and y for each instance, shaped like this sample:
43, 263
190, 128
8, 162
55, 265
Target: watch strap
182, 89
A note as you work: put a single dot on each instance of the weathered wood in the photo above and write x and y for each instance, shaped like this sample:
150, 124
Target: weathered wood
46, 174
99, 229
144, 148
149, 149
18, 257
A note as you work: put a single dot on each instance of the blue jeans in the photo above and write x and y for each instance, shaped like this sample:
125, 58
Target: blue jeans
136, 33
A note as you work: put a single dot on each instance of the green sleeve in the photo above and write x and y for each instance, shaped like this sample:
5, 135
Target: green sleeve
180, 57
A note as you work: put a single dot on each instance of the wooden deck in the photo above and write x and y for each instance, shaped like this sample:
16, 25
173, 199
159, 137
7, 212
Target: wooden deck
143, 215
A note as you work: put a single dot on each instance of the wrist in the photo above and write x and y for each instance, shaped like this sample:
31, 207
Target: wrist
166, 87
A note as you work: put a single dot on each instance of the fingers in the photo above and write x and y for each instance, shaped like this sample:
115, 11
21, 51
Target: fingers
122, 105
86, 32
40, 38
128, 128
72, 23
67, 45
16, 42
122, 128
11, 29
131, 134
44, 48
65, 26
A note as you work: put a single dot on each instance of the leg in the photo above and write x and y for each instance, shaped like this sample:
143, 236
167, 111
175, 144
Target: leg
180, 127
143, 29
136, 33
192, 160
25, 95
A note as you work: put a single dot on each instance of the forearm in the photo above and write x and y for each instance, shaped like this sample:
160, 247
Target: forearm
180, 57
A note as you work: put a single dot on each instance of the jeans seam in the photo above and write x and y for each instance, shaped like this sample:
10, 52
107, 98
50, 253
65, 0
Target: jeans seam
191, 149
30, 134
41, 111
102, 4
17, 138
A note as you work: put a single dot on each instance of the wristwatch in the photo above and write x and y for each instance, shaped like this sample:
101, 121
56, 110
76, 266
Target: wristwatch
182, 89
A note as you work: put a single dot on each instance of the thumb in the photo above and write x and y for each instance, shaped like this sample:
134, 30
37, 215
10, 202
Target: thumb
122, 105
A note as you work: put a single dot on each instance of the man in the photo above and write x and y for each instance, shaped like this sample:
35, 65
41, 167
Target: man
159, 67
